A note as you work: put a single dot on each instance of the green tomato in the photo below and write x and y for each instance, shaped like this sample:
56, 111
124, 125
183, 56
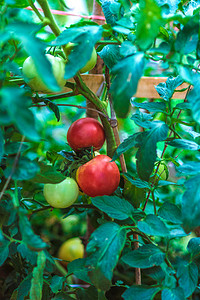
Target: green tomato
63, 194
33, 78
91, 62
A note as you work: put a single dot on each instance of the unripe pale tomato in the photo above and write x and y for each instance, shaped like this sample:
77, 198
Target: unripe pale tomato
85, 133
34, 79
98, 177
91, 62
63, 194
70, 250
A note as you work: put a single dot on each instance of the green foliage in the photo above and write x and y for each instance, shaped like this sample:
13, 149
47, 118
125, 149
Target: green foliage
147, 222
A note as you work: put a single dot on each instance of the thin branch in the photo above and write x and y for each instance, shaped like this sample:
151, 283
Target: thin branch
13, 168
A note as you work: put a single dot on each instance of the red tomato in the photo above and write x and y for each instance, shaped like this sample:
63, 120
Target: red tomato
85, 133
98, 177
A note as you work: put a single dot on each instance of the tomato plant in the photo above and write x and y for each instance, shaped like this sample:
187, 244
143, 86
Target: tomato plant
34, 79
63, 194
141, 234
98, 177
86, 133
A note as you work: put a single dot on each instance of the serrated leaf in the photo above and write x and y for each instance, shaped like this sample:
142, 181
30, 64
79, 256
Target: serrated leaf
191, 204
189, 168
24, 287
48, 174
184, 144
130, 142
111, 10
188, 277
138, 182
25, 169
35, 48
4, 248
170, 212
148, 22
13, 147
151, 106
166, 89
153, 225
115, 207
187, 37
37, 280
194, 246
145, 256
194, 100
173, 294
142, 119
79, 269
144, 292
103, 249
110, 55
26, 253
57, 283
146, 154
84, 39
28, 236
16, 104
124, 84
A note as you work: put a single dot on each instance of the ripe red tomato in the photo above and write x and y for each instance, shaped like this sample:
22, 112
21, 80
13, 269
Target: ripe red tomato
85, 133
98, 177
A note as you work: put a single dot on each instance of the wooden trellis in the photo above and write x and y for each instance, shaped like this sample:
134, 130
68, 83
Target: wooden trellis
146, 86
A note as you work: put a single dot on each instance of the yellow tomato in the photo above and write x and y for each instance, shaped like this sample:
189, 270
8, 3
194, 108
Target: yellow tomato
70, 250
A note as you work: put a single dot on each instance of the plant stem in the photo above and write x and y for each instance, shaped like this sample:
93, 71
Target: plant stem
47, 13
13, 168
36, 11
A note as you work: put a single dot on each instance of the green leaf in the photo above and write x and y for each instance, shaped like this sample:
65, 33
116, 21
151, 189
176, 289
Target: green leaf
24, 32
124, 84
144, 292
194, 246
37, 280
54, 108
188, 277
187, 37
24, 287
144, 257
13, 147
127, 144
90, 293
146, 154
15, 3
127, 48
191, 204
152, 225
148, 22
28, 236
170, 212
138, 182
26, 253
25, 169
1, 144
110, 55
142, 119
57, 283
62, 296
169, 7
84, 39
167, 89
184, 144
111, 10
4, 248
115, 207
173, 294
16, 104
189, 168
193, 99
151, 106
48, 174
79, 269
103, 249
